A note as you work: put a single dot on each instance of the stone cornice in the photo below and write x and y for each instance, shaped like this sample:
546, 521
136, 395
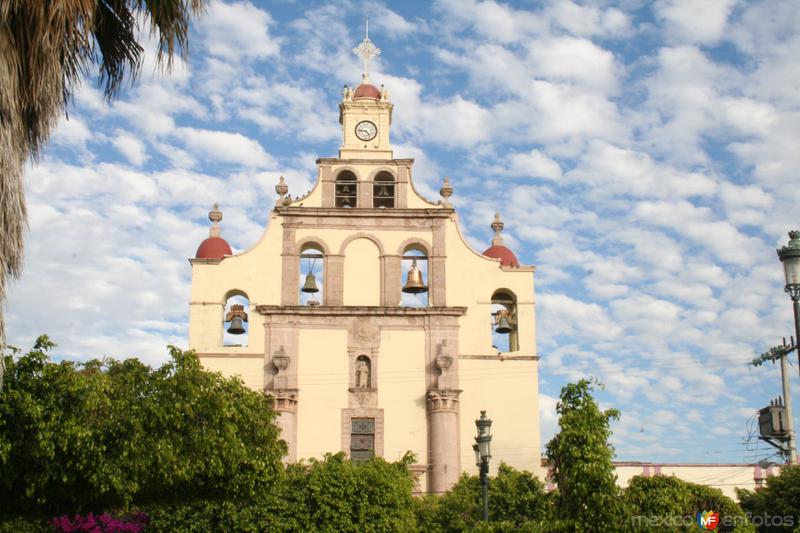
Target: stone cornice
365, 212
324, 310
348, 161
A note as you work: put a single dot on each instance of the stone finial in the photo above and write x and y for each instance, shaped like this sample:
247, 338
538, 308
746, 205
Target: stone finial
384, 93
497, 226
215, 215
282, 189
446, 192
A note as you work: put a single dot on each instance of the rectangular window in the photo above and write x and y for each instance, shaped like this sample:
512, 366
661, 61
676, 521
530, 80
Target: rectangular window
362, 439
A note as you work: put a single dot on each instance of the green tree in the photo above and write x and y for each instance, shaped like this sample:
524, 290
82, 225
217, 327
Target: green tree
588, 498
48, 46
775, 507
658, 498
517, 499
110, 435
338, 495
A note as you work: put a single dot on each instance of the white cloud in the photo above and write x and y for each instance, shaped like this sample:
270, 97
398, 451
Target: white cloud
575, 60
696, 20
534, 164
237, 30
224, 146
132, 148
72, 132
588, 20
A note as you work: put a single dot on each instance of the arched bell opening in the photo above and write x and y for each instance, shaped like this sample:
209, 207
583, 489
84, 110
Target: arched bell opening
236, 319
414, 270
346, 191
383, 190
312, 270
505, 336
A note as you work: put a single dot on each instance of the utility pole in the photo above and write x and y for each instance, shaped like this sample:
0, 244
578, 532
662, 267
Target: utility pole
787, 402
779, 429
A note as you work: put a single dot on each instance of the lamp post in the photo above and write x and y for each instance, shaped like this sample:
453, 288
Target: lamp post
790, 257
483, 452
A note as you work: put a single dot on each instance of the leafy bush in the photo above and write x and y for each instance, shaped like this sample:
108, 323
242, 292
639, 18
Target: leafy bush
780, 498
517, 499
97, 436
668, 496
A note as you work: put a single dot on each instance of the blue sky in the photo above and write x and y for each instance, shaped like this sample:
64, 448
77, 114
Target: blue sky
643, 156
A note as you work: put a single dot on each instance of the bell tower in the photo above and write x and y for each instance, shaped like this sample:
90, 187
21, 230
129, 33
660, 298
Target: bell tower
365, 113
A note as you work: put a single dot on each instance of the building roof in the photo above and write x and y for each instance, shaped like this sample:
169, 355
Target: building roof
213, 248
506, 256
366, 90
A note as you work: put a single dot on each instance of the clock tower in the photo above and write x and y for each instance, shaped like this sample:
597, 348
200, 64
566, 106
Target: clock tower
365, 114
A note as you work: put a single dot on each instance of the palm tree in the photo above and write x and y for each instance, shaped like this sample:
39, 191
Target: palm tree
46, 48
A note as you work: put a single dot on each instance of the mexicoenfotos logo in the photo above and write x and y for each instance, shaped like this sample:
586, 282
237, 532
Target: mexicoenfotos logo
708, 520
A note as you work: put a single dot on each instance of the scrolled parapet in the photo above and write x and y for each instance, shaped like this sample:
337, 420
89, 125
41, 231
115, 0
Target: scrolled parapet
443, 400
285, 399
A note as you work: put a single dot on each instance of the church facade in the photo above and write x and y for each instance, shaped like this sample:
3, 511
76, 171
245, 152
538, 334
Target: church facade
369, 319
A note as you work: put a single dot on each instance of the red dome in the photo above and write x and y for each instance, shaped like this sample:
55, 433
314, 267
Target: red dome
213, 248
506, 256
365, 90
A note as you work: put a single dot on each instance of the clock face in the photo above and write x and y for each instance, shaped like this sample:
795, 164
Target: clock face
366, 130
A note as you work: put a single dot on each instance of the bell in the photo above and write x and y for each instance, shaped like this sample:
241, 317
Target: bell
311, 284
414, 284
345, 189
237, 326
503, 325
383, 191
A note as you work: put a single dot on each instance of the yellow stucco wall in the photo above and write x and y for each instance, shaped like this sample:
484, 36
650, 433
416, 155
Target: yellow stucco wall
250, 369
322, 380
508, 392
362, 273
402, 388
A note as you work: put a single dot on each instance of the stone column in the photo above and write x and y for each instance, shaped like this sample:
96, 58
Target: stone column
390, 285
286, 407
444, 461
436, 266
334, 280
290, 274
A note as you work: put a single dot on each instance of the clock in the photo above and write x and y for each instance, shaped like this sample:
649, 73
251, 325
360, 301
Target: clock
366, 130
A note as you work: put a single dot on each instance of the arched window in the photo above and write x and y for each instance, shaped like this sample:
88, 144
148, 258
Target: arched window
504, 321
346, 194
383, 190
235, 320
312, 270
414, 270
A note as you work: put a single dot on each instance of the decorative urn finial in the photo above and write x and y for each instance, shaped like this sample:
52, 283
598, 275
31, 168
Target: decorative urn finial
215, 216
446, 192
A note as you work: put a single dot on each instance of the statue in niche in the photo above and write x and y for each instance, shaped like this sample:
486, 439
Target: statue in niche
362, 373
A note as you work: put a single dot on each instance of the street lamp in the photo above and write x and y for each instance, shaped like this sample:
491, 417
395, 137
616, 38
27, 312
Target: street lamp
483, 452
790, 257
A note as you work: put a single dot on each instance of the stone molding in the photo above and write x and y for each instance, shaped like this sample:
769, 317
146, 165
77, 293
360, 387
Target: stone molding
285, 399
360, 310
443, 400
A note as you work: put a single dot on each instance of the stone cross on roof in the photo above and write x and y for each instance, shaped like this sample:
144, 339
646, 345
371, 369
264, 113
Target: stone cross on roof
366, 50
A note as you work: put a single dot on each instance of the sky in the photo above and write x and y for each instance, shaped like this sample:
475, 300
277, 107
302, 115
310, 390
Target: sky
643, 155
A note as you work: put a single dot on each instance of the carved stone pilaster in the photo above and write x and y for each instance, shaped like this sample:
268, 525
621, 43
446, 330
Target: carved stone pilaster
285, 404
285, 399
443, 400
443, 445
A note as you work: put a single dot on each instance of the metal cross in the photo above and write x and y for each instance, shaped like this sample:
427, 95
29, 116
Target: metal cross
366, 50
